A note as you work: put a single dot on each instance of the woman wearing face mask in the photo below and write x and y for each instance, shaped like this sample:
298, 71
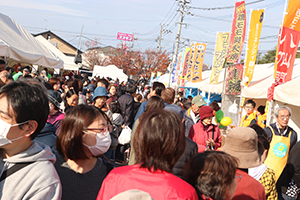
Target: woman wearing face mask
80, 170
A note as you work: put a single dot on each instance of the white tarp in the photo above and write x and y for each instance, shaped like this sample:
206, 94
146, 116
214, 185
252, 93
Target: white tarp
17, 44
68, 63
111, 71
263, 78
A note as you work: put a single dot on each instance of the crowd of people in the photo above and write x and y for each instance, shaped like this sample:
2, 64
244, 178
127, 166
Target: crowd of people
59, 139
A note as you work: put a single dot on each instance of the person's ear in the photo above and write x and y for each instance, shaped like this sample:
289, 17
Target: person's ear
30, 128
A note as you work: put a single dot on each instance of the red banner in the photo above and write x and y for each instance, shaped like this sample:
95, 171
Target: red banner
233, 79
238, 30
287, 51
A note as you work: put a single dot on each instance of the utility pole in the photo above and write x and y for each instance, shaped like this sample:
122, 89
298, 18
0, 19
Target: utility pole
159, 39
177, 40
79, 42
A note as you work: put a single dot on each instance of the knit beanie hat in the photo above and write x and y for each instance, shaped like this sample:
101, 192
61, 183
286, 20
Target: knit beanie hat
206, 111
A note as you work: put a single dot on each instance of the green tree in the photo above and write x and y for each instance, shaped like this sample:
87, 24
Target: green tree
270, 56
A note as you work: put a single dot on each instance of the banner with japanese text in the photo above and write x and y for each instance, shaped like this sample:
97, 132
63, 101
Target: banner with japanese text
286, 55
198, 64
185, 64
288, 42
221, 51
253, 41
182, 64
233, 80
190, 63
238, 30
292, 19
178, 66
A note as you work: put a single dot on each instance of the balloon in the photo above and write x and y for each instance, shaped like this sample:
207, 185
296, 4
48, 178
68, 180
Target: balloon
226, 121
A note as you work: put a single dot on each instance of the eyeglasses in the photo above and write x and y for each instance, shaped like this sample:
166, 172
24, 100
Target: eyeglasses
249, 107
284, 117
238, 177
103, 131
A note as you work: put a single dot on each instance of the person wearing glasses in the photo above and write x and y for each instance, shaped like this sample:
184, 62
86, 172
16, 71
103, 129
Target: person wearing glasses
83, 137
250, 117
282, 138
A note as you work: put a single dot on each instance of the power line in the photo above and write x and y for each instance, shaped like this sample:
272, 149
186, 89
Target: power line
225, 7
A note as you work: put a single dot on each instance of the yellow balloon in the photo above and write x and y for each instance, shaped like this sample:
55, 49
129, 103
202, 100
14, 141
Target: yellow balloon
226, 121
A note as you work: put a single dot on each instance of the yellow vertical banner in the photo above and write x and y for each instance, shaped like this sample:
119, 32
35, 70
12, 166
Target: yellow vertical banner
198, 64
190, 63
221, 52
253, 41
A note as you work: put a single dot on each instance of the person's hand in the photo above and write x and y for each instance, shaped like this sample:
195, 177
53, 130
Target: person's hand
209, 142
123, 126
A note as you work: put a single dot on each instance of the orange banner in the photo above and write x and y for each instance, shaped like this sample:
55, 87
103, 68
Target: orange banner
292, 19
238, 30
198, 64
287, 45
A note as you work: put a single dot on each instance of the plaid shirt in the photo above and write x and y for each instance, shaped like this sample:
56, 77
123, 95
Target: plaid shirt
268, 181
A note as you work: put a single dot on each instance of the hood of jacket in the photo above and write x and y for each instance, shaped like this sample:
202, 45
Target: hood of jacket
49, 129
36, 152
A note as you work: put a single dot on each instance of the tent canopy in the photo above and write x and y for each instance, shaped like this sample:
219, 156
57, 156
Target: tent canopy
68, 63
111, 71
16, 43
263, 77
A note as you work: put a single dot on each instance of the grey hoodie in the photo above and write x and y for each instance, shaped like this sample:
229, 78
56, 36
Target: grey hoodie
38, 180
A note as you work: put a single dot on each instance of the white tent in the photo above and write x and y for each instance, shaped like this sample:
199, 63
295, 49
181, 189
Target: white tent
263, 77
68, 63
17, 44
111, 71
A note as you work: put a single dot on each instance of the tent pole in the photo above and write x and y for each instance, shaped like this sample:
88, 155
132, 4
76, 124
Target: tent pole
271, 104
224, 85
208, 95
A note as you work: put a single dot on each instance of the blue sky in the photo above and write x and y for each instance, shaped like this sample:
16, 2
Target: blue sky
102, 19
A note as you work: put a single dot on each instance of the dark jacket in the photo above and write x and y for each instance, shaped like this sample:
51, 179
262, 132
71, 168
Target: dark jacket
127, 106
293, 136
292, 170
136, 107
47, 135
191, 149
188, 121
141, 110
175, 108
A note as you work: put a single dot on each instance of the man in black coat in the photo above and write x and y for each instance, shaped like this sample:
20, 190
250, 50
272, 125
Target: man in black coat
127, 105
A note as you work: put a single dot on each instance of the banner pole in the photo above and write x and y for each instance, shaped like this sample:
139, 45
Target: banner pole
244, 70
271, 104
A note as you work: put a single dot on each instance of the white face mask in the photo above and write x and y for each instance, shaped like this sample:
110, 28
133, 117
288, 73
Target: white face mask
103, 142
5, 127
